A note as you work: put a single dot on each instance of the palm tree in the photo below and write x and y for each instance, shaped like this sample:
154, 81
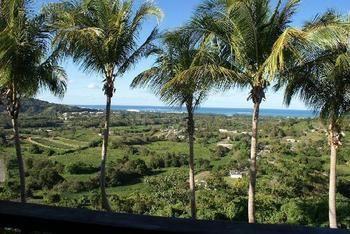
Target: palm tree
246, 30
184, 71
102, 36
25, 66
322, 80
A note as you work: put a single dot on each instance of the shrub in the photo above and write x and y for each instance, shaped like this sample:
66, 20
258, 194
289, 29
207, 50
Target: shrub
117, 143
78, 186
131, 150
118, 177
125, 171
175, 160
52, 197
121, 205
293, 212
34, 149
277, 132
79, 168
12, 164
48, 178
50, 152
12, 186
156, 162
215, 181
221, 151
141, 204
203, 164
137, 166
3, 140
171, 188
134, 140
144, 151
43, 174
344, 187
95, 143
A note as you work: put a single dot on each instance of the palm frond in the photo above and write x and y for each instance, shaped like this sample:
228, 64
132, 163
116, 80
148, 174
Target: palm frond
101, 35
293, 41
321, 78
26, 65
144, 50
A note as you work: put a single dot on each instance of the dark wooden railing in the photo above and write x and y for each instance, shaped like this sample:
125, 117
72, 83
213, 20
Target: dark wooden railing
31, 217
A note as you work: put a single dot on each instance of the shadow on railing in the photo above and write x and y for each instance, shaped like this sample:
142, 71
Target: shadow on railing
31, 217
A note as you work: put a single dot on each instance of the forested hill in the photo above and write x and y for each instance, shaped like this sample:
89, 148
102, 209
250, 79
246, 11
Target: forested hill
35, 106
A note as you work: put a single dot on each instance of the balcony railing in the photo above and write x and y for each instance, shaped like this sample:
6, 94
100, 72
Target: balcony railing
32, 217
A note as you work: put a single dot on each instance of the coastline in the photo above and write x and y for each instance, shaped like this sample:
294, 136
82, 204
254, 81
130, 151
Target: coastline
287, 113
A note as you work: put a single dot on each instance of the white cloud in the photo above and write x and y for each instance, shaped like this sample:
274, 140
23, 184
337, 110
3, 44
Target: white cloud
93, 86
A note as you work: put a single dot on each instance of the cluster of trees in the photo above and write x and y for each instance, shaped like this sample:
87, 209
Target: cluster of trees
246, 43
250, 44
126, 171
168, 160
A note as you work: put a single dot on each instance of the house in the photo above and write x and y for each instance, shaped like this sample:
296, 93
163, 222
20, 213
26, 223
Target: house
225, 131
236, 174
291, 140
225, 143
227, 146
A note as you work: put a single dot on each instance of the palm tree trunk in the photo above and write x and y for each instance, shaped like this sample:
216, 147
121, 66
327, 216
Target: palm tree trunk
333, 181
252, 169
19, 158
105, 203
191, 164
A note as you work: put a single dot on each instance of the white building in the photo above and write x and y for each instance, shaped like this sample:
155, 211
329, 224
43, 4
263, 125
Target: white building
236, 174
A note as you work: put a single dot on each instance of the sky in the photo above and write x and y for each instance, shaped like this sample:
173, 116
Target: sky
86, 88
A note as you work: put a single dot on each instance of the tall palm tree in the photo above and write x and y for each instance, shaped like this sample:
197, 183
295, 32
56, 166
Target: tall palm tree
320, 76
25, 66
102, 36
246, 30
183, 74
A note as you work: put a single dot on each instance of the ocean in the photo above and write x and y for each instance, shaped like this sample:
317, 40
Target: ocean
288, 113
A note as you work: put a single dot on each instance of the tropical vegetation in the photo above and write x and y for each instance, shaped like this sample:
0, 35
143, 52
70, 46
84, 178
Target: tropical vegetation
227, 44
102, 37
25, 65
246, 31
321, 80
183, 75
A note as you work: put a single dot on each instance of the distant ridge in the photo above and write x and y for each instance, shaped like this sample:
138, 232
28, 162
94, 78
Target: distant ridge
33, 106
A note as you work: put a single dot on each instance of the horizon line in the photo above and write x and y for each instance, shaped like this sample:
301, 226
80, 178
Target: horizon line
165, 106
173, 107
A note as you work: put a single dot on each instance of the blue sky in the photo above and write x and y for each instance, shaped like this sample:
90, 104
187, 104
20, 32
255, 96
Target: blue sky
85, 89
